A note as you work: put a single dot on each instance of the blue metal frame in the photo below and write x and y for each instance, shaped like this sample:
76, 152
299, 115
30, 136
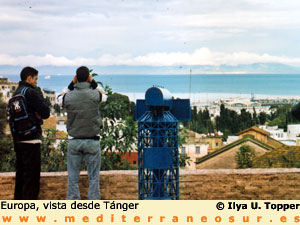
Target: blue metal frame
158, 156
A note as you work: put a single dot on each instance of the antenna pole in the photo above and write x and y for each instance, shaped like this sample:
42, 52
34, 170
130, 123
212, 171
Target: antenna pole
190, 89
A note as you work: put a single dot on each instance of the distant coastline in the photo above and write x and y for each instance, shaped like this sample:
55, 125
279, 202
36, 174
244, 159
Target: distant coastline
203, 87
206, 98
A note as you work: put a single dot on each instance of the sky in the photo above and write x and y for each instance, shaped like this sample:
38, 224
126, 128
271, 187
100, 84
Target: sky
149, 32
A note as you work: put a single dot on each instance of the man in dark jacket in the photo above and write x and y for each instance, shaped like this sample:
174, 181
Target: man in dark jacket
28, 153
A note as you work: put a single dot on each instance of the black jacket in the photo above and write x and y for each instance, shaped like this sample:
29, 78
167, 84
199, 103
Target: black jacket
94, 85
35, 103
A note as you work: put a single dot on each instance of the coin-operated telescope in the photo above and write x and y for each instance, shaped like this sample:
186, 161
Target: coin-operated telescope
158, 158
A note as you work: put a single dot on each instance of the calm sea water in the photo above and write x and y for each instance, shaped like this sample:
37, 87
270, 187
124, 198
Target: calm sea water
279, 85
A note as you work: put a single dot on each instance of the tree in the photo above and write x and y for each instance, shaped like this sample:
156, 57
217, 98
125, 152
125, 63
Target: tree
244, 157
234, 120
254, 117
184, 160
117, 106
48, 102
262, 117
281, 116
230, 122
7, 155
200, 122
3, 115
245, 119
53, 158
119, 131
222, 119
57, 108
278, 121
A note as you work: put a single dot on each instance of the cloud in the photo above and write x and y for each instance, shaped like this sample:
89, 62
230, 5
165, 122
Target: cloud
201, 56
93, 28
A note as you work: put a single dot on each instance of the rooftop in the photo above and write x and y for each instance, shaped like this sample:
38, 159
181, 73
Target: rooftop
255, 128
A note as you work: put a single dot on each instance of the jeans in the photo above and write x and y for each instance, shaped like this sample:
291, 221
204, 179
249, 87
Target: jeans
90, 150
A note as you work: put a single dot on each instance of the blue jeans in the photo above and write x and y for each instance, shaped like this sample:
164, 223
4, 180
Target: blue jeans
90, 150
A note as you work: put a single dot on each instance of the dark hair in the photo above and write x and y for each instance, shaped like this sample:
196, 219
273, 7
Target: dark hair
82, 73
28, 71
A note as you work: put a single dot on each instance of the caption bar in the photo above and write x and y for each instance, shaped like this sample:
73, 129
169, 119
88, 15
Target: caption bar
150, 212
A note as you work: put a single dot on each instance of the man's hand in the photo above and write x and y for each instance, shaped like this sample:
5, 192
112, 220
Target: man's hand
74, 79
90, 78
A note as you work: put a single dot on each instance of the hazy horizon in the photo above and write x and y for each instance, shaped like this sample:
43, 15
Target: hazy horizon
149, 33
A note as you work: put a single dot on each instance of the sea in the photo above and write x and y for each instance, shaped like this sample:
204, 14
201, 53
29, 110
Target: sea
196, 87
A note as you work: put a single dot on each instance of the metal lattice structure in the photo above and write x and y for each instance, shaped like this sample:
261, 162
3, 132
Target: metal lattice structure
158, 146
158, 156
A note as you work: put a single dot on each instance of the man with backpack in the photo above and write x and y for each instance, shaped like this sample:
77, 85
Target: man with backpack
27, 110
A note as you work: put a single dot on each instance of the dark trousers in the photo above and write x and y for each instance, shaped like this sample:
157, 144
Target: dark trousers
28, 168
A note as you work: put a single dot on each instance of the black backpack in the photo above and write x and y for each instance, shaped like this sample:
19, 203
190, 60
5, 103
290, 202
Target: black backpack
21, 121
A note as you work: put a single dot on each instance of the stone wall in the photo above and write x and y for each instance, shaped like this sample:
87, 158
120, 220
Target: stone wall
243, 184
194, 185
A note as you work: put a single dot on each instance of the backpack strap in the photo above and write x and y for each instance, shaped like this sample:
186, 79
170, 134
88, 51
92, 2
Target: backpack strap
24, 90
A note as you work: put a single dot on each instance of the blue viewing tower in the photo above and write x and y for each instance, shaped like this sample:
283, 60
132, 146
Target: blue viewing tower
158, 158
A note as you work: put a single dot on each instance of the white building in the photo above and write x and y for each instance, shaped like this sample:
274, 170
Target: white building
231, 139
7, 88
275, 132
238, 104
194, 151
199, 145
50, 94
288, 138
293, 130
61, 123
